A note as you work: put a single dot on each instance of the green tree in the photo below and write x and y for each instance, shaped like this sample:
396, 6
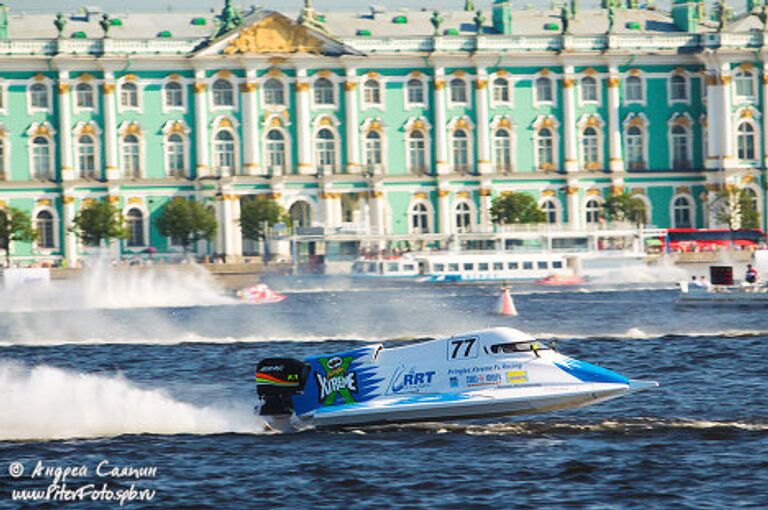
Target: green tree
186, 221
258, 213
625, 207
97, 221
15, 225
735, 207
514, 207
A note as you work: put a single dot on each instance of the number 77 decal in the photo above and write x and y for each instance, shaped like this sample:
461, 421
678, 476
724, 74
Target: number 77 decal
462, 348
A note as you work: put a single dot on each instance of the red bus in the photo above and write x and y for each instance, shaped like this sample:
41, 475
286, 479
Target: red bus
711, 239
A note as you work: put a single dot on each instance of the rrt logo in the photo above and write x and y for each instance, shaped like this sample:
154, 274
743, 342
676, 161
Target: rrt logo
410, 380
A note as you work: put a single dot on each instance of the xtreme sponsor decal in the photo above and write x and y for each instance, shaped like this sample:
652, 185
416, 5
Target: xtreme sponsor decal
337, 382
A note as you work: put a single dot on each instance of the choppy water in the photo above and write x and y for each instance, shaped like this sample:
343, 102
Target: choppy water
174, 389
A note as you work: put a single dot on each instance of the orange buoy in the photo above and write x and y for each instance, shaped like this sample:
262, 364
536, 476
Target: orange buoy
506, 304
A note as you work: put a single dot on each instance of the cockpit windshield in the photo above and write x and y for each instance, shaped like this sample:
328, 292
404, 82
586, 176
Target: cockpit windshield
510, 348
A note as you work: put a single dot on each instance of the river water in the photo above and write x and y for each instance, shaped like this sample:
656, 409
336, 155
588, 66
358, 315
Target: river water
173, 389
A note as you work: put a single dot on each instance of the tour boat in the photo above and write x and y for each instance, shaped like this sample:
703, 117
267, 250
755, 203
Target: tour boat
722, 290
484, 374
259, 294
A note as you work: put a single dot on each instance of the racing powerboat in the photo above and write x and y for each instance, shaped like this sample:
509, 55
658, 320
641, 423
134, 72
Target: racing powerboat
488, 373
259, 294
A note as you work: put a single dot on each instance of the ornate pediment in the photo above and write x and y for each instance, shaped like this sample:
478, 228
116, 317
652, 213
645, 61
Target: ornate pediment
275, 34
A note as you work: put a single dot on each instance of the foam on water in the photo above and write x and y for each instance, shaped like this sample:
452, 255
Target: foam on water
43, 402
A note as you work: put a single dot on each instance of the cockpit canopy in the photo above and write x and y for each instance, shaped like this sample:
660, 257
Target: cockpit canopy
522, 346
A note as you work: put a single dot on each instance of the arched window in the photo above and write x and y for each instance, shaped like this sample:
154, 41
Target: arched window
44, 224
86, 157
325, 150
635, 148
134, 220
84, 95
372, 92
463, 215
753, 201
324, 92
745, 138
41, 158
633, 89
300, 213
174, 95
745, 84
419, 218
224, 151
501, 90
681, 159
175, 155
131, 157
590, 152
276, 151
678, 88
592, 211
545, 147
373, 152
682, 213
544, 93
3, 154
460, 151
502, 150
223, 93
550, 211
274, 92
38, 96
458, 90
415, 90
129, 95
588, 90
417, 152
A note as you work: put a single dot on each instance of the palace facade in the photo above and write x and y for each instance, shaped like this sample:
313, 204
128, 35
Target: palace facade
396, 125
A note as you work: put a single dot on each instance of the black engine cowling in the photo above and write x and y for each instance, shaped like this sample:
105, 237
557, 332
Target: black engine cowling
277, 379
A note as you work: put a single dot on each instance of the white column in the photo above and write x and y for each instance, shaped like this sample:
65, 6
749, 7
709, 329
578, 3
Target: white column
726, 120
486, 225
713, 121
237, 232
303, 128
573, 204
377, 212
616, 160
250, 124
441, 141
110, 127
65, 127
483, 143
764, 80
352, 122
569, 121
201, 125
70, 239
445, 225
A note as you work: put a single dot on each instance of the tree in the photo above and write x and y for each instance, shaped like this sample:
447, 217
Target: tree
187, 221
15, 225
735, 208
97, 221
258, 213
514, 207
625, 207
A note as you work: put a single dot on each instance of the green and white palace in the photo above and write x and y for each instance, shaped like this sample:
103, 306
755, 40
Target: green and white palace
378, 124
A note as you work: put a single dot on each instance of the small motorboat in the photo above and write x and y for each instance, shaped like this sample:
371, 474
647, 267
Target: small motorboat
561, 280
722, 289
259, 294
484, 374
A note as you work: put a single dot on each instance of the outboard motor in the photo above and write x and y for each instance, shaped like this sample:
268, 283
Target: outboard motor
277, 380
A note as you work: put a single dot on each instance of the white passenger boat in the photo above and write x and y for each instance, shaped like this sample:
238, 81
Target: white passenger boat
484, 374
722, 290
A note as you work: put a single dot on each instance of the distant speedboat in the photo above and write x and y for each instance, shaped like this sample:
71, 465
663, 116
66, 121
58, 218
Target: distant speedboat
561, 280
489, 373
259, 294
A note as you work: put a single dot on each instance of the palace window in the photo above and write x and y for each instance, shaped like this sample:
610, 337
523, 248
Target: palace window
592, 211
276, 150
223, 93
323, 92
415, 91
635, 148
545, 147
753, 201
38, 96
86, 157
175, 157
131, 157
678, 88
588, 90
550, 211
274, 92
372, 92
682, 213
129, 95
590, 151
44, 224
174, 95
41, 158
458, 91
419, 218
502, 150
745, 84
417, 152
373, 152
633, 89
745, 141
84, 97
300, 213
681, 159
224, 151
460, 151
325, 150
134, 220
501, 90
544, 93
463, 215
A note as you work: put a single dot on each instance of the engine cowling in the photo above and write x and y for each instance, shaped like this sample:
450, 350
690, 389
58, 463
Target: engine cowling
277, 380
